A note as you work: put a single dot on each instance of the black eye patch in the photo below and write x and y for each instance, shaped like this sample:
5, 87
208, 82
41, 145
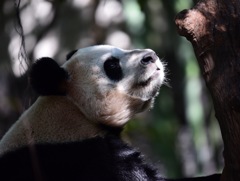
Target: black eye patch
113, 69
70, 54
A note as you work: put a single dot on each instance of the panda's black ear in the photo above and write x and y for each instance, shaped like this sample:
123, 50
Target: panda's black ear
47, 77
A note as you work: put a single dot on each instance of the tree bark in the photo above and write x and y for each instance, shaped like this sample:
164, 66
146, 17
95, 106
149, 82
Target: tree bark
213, 28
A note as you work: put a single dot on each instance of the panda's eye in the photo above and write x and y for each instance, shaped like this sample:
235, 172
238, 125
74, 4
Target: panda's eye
113, 69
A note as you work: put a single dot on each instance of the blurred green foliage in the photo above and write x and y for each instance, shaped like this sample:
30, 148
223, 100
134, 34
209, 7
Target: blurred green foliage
180, 134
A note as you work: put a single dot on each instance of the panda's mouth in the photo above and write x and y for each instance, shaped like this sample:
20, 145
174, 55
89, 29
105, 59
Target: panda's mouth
144, 83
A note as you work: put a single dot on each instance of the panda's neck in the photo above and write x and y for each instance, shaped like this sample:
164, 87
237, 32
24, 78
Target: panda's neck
51, 119
63, 121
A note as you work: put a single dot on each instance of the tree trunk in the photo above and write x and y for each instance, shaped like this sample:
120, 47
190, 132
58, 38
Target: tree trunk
213, 28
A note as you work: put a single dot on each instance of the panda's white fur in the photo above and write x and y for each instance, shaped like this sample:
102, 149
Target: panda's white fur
91, 98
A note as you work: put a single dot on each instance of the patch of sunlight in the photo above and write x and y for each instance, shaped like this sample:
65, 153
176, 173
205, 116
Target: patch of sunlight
192, 69
185, 50
134, 16
47, 47
19, 66
81, 3
108, 12
119, 39
194, 107
42, 11
85, 41
195, 116
28, 22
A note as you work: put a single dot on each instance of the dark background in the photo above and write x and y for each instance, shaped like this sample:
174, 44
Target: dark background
180, 134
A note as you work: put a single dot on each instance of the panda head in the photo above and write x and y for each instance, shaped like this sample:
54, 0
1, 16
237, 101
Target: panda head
108, 85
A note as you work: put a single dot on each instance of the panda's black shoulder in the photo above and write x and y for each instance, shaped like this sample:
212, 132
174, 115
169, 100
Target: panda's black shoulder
107, 158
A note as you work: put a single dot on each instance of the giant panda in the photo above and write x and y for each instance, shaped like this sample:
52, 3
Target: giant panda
73, 130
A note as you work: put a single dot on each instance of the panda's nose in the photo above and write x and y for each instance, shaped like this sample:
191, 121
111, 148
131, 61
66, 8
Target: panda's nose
149, 58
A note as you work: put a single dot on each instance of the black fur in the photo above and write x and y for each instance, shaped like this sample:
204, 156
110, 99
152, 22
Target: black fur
47, 77
113, 69
70, 54
107, 159
215, 177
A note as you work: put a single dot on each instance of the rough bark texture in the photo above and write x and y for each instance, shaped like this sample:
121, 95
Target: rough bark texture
213, 28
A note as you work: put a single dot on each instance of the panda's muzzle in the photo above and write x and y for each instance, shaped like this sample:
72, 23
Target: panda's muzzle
149, 58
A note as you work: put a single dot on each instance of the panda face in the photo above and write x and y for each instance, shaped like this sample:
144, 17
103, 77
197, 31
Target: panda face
109, 85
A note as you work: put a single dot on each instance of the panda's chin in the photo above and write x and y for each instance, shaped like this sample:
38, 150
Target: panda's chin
147, 86
146, 90
146, 105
